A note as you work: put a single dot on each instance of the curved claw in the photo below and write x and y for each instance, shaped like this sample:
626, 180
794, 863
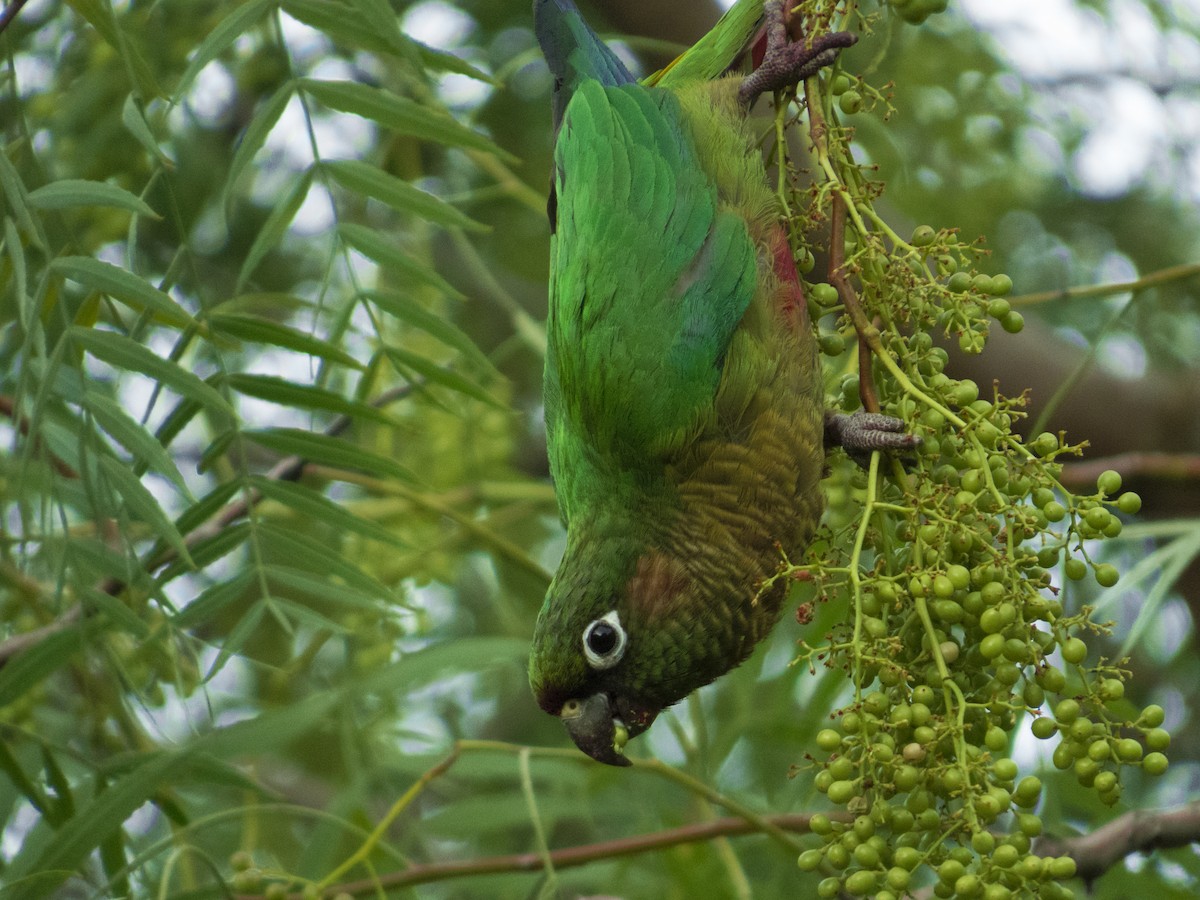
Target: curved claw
786, 64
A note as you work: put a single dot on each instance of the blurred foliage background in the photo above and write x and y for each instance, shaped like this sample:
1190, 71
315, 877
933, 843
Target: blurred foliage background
276, 519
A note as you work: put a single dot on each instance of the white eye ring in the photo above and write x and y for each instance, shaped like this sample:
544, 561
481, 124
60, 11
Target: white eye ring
604, 641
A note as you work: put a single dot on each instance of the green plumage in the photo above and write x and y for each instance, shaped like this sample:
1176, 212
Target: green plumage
683, 403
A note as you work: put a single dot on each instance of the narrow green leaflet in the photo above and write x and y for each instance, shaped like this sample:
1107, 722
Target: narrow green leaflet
256, 135
141, 503
26, 313
99, 15
276, 225
383, 250
326, 450
307, 502
381, 15
407, 362
125, 353
340, 23
72, 192
134, 438
118, 612
209, 550
399, 194
317, 587
400, 114
305, 396
125, 287
48, 655
220, 39
135, 123
18, 200
211, 601
408, 310
322, 557
237, 637
61, 851
441, 61
263, 331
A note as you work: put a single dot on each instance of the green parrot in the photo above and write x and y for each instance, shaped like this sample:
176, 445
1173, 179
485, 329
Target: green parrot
684, 403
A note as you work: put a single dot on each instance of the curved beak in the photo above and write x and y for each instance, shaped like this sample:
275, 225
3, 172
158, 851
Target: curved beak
596, 731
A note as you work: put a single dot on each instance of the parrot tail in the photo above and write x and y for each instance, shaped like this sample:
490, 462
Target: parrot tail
573, 51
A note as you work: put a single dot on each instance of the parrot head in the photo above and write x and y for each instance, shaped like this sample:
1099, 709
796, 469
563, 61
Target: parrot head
621, 637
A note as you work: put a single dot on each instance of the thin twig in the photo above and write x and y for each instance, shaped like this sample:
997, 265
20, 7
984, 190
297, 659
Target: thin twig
10, 13
1162, 276
565, 858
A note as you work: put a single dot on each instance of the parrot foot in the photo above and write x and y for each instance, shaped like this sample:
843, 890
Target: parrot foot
864, 432
786, 64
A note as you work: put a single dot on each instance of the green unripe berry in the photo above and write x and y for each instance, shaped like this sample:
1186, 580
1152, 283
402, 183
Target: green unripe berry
1097, 517
950, 871
1099, 750
1112, 689
1155, 763
1029, 824
828, 740
922, 236
982, 283
809, 860
841, 792
1107, 575
1054, 511
841, 84
1001, 284
959, 282
1043, 728
1158, 739
1129, 750
863, 881
832, 344
866, 856
1105, 782
1006, 856
837, 855
998, 309
1028, 789
820, 824
1076, 569
1129, 503
1062, 867
1074, 651
841, 769
898, 878
983, 842
1152, 716
850, 102
992, 645
1067, 710
1004, 769
829, 887
1109, 482
1013, 322
823, 294
1052, 679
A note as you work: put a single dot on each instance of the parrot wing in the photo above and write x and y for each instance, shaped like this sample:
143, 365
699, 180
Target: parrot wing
650, 279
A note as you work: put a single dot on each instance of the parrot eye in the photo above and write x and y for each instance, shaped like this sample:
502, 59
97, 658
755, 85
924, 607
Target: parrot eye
604, 641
